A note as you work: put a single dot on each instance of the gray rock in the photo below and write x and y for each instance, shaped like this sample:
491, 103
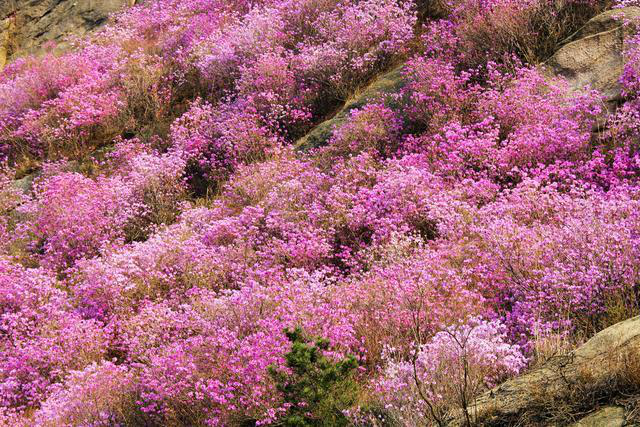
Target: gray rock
594, 55
25, 25
605, 21
611, 416
25, 184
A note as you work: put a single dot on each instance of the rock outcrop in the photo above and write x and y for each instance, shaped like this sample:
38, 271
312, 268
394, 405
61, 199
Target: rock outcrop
25, 25
604, 364
387, 83
593, 56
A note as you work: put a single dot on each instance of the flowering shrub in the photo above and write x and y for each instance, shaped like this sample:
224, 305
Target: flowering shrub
81, 400
495, 135
42, 338
76, 217
449, 370
564, 259
435, 93
624, 130
407, 298
344, 53
65, 103
217, 141
223, 363
560, 131
148, 278
157, 187
374, 127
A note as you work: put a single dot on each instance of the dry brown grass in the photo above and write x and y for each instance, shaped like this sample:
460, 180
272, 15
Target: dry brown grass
532, 34
593, 386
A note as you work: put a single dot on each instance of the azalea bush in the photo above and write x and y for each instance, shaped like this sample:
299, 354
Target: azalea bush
43, 338
448, 371
166, 231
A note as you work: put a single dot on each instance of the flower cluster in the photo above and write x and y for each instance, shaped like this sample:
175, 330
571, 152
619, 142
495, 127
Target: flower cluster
172, 234
42, 337
453, 366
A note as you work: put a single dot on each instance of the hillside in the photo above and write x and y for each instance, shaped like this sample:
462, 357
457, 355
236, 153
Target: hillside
319, 213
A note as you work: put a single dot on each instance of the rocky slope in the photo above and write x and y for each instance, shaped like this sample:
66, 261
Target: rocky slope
592, 57
600, 377
595, 385
25, 25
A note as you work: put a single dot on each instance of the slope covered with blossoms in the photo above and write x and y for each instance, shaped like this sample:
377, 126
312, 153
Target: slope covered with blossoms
448, 234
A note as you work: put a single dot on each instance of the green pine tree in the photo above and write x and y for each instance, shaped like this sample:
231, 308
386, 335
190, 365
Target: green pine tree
317, 388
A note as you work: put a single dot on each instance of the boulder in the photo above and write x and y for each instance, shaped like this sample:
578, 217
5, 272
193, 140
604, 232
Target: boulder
25, 25
25, 184
593, 56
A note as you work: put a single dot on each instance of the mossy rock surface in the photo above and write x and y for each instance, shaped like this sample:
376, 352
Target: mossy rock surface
386, 84
25, 184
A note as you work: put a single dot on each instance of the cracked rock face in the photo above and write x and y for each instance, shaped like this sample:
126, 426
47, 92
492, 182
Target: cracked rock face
26, 25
